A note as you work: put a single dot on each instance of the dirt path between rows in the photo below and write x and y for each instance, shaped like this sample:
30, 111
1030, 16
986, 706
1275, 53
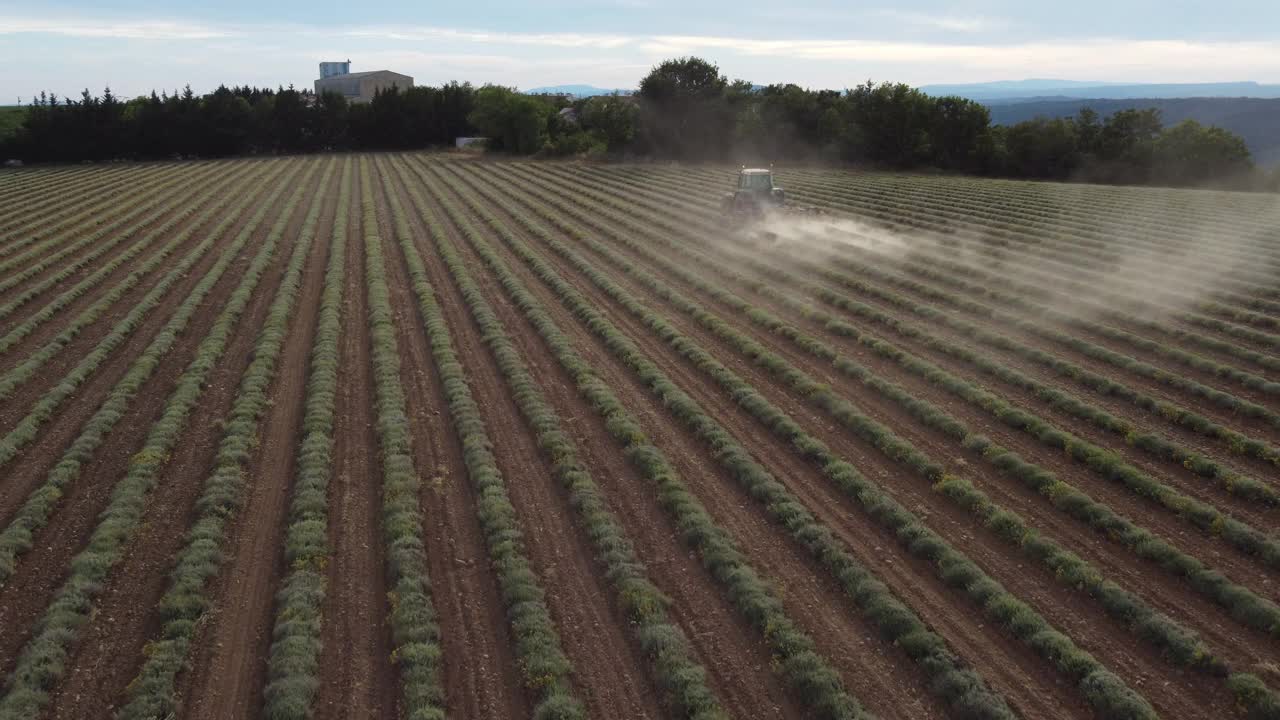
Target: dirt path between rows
42, 570
109, 655
822, 426
1109, 492
481, 674
357, 679
1253, 427
34, 461
737, 662
881, 677
231, 647
610, 673
876, 259
1190, 607
167, 209
55, 369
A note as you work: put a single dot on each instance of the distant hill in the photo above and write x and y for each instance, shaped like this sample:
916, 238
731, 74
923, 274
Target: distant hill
993, 93
575, 90
1254, 119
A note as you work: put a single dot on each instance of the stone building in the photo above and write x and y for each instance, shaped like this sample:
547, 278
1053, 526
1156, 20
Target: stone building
361, 86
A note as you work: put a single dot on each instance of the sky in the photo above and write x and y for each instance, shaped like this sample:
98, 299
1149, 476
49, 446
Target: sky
137, 45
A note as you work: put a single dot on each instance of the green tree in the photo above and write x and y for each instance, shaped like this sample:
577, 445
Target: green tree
786, 122
225, 122
612, 119
1125, 146
1189, 153
960, 134
1041, 148
894, 124
1088, 128
289, 121
684, 110
515, 122
329, 121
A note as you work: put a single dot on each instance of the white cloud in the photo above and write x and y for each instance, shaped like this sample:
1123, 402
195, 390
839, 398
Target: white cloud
1095, 58
950, 23
129, 29
561, 40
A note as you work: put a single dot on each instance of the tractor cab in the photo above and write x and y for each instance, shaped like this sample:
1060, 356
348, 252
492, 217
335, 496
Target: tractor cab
755, 180
755, 194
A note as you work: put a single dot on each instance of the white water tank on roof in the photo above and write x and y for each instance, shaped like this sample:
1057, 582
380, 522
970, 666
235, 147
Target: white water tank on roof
329, 69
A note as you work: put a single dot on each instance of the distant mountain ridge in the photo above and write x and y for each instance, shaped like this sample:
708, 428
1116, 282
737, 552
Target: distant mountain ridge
1253, 119
580, 91
1004, 91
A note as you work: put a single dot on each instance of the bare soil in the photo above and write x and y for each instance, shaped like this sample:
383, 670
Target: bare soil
481, 674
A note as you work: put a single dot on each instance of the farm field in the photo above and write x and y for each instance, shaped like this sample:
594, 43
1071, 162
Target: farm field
425, 435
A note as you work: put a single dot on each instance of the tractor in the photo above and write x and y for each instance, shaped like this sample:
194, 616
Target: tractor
757, 202
756, 196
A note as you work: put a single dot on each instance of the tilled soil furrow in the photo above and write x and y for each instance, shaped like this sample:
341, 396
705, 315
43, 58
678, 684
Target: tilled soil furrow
231, 646
739, 666
34, 461
112, 644
44, 371
943, 448
38, 203
1072, 614
1093, 629
482, 677
27, 592
609, 671
357, 677
1110, 344
58, 262
814, 600
1028, 447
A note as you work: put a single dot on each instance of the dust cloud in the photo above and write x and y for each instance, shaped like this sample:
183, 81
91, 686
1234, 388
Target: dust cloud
819, 237
1148, 269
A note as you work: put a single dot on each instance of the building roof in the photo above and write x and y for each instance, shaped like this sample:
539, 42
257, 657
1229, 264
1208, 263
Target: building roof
363, 74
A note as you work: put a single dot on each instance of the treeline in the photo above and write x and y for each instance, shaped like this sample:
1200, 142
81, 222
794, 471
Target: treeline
685, 109
235, 121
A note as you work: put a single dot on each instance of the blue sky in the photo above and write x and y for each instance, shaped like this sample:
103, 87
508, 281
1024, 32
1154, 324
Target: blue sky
140, 44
